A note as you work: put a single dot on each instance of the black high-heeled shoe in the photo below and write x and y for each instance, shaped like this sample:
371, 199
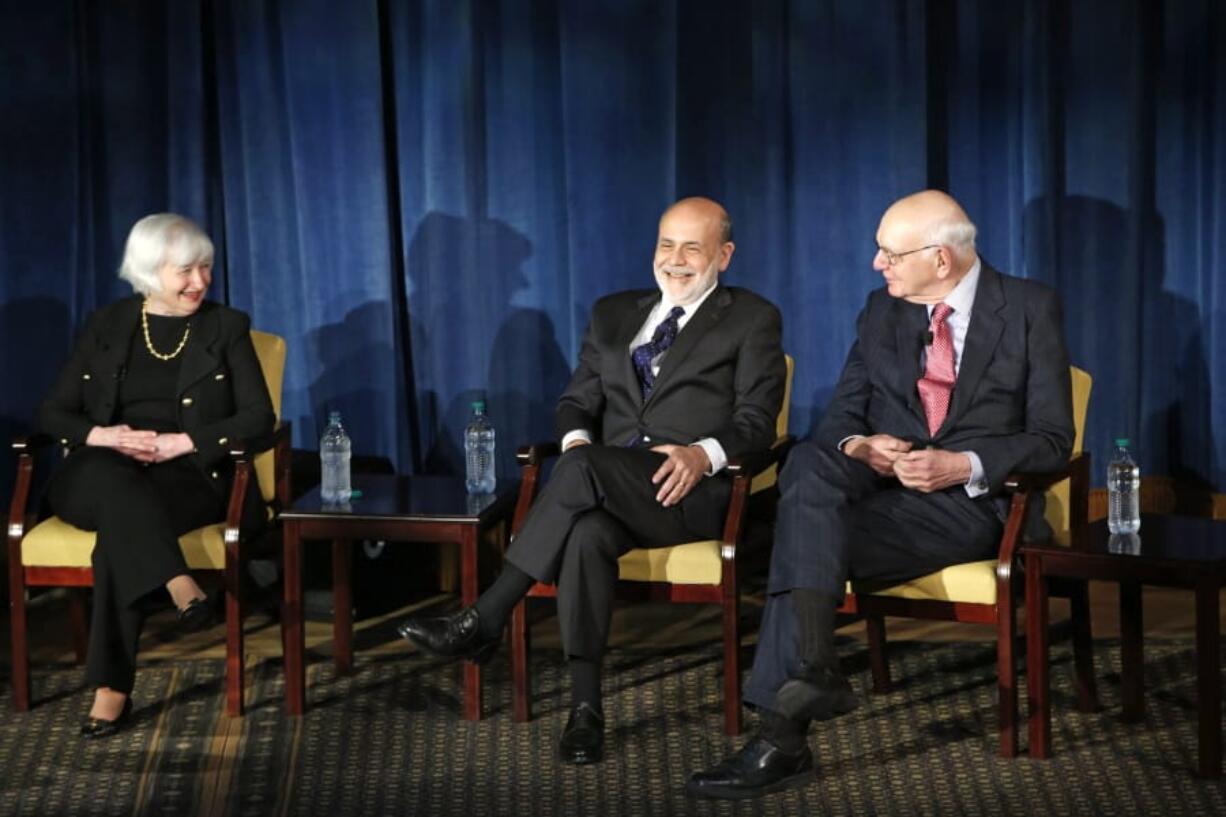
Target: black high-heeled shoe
101, 728
196, 616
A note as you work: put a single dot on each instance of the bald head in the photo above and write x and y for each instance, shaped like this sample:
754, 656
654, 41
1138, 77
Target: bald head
927, 246
699, 207
934, 217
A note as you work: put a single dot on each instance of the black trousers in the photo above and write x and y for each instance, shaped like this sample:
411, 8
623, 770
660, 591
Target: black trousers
139, 512
838, 520
600, 503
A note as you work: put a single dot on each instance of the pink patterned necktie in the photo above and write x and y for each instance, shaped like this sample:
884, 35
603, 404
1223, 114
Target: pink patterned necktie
937, 384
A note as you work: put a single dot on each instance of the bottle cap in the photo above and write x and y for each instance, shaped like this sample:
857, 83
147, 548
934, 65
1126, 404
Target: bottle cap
334, 417
1122, 442
478, 405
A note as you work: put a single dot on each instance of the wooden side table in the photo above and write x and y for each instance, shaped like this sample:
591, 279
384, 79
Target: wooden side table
1171, 551
393, 509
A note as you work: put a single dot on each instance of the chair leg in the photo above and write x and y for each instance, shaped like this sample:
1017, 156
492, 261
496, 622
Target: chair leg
732, 666
1006, 676
79, 622
20, 644
878, 661
234, 645
1083, 648
521, 692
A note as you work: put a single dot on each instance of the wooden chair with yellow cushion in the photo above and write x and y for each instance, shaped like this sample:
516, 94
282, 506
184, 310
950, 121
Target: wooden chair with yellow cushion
53, 553
988, 592
689, 573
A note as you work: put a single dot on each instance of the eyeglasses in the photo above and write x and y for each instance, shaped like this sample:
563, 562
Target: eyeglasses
893, 258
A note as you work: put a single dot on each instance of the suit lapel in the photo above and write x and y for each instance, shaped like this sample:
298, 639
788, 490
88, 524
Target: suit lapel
910, 322
199, 357
116, 346
630, 327
709, 314
981, 339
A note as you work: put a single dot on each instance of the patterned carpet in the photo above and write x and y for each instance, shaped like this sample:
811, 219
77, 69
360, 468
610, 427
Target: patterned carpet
388, 740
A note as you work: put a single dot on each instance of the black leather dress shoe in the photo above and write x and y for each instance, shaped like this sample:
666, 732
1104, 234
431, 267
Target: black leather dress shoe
102, 728
759, 768
815, 693
196, 616
454, 636
583, 738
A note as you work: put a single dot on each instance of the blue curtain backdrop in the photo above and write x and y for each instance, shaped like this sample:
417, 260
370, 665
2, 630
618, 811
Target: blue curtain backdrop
425, 198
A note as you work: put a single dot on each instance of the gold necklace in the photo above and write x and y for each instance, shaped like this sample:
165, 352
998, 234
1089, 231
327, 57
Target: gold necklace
144, 325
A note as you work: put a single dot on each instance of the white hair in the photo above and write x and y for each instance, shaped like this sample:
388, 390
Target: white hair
955, 233
158, 240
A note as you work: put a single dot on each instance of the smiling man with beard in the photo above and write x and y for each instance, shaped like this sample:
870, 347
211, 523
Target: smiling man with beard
671, 383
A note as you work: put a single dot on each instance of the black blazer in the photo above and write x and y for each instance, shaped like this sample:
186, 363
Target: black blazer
723, 376
222, 396
1012, 402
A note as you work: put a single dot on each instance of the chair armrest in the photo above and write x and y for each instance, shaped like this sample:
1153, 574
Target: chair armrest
29, 443
1045, 480
756, 462
536, 453
743, 470
281, 434
1023, 488
23, 448
241, 452
1041, 481
530, 458
238, 496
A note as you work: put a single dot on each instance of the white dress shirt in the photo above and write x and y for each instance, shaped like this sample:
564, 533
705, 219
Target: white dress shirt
962, 301
715, 451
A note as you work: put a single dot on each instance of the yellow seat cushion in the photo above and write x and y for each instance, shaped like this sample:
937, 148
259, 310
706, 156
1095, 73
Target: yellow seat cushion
973, 582
55, 543
691, 563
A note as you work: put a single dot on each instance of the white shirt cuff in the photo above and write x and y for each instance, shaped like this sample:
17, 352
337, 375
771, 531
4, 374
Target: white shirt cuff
848, 439
577, 434
715, 453
977, 485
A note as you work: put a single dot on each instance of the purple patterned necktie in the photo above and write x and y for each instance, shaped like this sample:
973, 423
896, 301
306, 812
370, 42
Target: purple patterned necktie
661, 339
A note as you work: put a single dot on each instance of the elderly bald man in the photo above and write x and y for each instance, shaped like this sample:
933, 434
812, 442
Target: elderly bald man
672, 382
958, 376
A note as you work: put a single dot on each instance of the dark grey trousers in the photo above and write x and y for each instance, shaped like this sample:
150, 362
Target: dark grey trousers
598, 504
838, 520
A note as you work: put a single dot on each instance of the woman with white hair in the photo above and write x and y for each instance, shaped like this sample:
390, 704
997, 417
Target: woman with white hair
158, 385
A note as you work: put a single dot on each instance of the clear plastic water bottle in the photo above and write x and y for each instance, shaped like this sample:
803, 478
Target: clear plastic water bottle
1123, 491
479, 475
1125, 544
334, 452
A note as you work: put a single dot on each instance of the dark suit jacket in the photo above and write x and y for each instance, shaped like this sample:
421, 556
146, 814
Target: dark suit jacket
1012, 401
222, 396
723, 377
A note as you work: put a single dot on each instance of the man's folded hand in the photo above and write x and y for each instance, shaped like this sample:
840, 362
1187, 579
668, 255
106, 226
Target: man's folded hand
879, 452
932, 469
685, 466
